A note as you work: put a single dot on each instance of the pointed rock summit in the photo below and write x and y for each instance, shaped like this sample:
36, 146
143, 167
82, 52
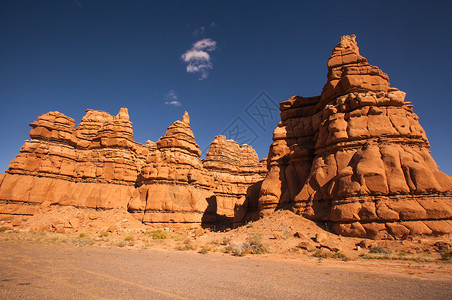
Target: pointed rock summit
180, 136
99, 166
348, 71
186, 118
356, 157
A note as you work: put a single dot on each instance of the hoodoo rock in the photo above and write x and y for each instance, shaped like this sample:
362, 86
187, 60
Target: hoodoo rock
98, 165
93, 166
235, 170
173, 187
356, 156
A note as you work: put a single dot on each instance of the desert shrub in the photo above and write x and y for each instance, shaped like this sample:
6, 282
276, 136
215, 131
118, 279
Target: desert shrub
129, 238
83, 234
103, 234
256, 245
380, 250
157, 234
122, 244
205, 249
226, 241
341, 256
80, 242
238, 249
253, 245
320, 254
254, 238
215, 243
2, 229
446, 255
187, 245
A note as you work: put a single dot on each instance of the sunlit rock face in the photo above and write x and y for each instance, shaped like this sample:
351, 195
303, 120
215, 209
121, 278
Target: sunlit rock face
357, 157
98, 165
93, 166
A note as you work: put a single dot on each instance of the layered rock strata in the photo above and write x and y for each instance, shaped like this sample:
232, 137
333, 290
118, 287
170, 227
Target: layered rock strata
98, 165
172, 186
356, 156
93, 166
235, 169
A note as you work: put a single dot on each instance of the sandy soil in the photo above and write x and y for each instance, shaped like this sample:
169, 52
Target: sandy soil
56, 270
281, 237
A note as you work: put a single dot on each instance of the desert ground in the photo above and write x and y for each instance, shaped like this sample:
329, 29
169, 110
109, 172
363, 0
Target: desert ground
279, 257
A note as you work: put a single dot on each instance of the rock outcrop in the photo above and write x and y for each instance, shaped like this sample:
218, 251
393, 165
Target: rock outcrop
98, 165
236, 170
356, 156
93, 166
173, 187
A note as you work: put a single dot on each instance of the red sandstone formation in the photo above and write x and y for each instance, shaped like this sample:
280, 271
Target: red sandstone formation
235, 169
93, 166
98, 165
356, 156
173, 187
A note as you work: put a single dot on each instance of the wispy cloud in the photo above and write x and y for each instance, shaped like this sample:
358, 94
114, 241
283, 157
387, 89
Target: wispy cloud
197, 58
171, 98
201, 30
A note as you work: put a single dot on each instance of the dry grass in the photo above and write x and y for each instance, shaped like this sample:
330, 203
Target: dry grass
205, 249
187, 245
419, 257
157, 234
246, 244
253, 245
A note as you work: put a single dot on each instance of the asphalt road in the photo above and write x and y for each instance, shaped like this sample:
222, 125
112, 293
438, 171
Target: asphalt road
32, 271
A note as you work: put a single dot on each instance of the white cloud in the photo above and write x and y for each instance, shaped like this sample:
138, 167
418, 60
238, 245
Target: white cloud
171, 98
197, 58
207, 44
195, 55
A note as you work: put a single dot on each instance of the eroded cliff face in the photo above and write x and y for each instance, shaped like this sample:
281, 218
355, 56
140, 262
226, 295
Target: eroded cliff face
236, 171
93, 166
356, 156
173, 187
98, 165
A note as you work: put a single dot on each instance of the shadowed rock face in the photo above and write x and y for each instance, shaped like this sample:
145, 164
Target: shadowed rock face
234, 170
356, 156
99, 165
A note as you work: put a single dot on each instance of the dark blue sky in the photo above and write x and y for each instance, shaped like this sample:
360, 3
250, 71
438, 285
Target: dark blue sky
69, 55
